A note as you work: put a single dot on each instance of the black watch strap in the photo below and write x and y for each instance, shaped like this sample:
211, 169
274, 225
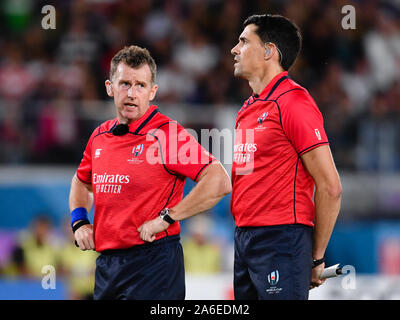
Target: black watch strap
318, 262
164, 214
79, 224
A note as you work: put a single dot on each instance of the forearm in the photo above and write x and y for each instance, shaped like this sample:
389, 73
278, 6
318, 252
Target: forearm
327, 207
80, 195
213, 184
210, 189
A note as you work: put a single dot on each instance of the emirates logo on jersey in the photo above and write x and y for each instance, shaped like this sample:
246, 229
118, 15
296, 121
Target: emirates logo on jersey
243, 152
110, 183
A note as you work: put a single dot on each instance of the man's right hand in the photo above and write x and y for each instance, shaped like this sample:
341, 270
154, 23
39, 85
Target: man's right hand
84, 237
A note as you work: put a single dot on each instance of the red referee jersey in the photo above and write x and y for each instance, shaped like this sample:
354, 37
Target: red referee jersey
270, 184
136, 175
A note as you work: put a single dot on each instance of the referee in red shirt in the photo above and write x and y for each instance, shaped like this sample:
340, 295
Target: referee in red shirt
281, 152
134, 169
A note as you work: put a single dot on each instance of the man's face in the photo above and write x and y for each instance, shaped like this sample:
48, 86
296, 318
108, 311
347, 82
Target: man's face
132, 90
249, 53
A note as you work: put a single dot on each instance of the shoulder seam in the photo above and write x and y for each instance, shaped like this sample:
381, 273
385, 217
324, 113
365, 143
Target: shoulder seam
302, 89
279, 110
164, 123
102, 132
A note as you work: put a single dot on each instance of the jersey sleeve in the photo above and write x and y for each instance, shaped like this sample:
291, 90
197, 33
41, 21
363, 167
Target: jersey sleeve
183, 155
302, 121
84, 171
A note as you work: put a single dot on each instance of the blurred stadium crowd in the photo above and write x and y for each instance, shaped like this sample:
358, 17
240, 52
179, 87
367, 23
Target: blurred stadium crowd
52, 93
52, 81
42, 245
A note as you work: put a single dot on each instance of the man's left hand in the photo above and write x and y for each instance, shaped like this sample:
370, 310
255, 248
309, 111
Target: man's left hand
315, 276
149, 229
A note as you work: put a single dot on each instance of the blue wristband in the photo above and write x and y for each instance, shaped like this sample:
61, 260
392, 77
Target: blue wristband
79, 214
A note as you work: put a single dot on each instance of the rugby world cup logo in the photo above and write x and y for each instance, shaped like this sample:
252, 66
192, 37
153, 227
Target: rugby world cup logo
137, 150
261, 119
273, 278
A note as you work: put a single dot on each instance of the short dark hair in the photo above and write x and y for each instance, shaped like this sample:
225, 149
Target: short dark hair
134, 57
282, 32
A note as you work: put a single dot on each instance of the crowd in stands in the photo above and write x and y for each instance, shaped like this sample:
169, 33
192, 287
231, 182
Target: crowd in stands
32, 252
52, 81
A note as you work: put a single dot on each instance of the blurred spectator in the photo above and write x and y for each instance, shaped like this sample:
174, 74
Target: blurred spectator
393, 98
173, 86
389, 256
382, 46
70, 79
57, 131
158, 26
196, 55
37, 248
78, 44
77, 267
335, 105
358, 86
17, 81
11, 137
202, 255
378, 140
15, 267
7, 249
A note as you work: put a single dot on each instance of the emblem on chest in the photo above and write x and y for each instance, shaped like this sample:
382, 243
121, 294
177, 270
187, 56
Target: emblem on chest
262, 118
260, 121
137, 151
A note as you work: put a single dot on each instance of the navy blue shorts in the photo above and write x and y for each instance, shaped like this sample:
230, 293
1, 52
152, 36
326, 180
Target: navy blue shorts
153, 271
273, 262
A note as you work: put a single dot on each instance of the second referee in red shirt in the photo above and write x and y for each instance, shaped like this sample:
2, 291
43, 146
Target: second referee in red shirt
281, 151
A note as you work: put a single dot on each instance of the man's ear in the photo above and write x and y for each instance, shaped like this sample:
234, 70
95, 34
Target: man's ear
109, 88
153, 92
267, 54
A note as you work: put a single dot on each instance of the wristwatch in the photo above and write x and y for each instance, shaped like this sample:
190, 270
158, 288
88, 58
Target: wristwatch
317, 262
164, 214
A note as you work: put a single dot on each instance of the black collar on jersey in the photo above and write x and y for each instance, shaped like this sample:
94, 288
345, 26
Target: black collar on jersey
155, 111
277, 83
276, 86
123, 128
